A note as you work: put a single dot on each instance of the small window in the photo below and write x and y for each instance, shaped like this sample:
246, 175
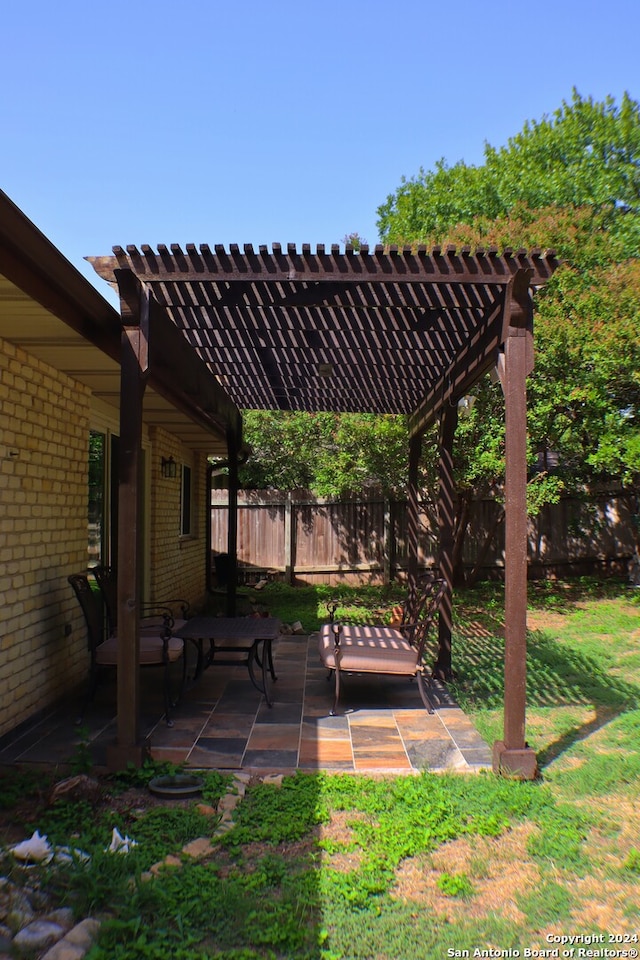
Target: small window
185, 510
97, 483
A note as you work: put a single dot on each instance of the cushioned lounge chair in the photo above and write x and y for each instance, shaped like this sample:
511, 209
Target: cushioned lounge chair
394, 650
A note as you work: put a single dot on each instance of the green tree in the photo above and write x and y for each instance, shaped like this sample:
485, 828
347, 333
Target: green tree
330, 454
569, 183
586, 154
283, 448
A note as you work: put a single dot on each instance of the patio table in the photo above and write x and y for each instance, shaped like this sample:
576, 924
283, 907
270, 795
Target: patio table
249, 639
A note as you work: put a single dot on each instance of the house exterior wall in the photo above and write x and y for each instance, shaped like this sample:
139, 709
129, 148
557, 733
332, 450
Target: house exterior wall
44, 428
45, 420
177, 562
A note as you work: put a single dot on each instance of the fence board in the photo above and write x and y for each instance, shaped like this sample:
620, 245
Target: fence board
366, 539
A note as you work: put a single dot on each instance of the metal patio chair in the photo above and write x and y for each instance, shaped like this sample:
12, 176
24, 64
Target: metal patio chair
152, 616
160, 649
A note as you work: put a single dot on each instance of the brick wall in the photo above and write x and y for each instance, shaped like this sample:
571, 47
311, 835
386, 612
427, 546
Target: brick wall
178, 563
44, 429
44, 436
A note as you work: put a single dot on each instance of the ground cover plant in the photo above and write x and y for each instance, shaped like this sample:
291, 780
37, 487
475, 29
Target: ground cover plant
347, 868
309, 604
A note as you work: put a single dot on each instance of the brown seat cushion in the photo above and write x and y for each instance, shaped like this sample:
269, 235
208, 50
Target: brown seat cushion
150, 651
368, 649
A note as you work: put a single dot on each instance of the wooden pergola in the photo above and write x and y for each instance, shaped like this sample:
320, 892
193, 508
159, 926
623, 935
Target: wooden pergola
382, 330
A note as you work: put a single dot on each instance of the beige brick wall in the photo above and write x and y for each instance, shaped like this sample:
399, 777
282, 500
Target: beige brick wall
44, 437
178, 564
44, 429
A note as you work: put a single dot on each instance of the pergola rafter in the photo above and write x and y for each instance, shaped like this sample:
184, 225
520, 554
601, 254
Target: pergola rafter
266, 321
383, 330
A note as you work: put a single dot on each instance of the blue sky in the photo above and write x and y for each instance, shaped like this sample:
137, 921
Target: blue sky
272, 121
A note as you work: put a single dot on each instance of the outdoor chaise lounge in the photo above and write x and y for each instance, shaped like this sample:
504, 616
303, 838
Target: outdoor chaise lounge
158, 649
397, 649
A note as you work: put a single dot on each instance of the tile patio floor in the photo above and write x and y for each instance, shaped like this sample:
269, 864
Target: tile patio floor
223, 722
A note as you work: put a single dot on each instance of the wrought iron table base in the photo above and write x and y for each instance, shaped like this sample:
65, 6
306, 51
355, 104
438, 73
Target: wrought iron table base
248, 637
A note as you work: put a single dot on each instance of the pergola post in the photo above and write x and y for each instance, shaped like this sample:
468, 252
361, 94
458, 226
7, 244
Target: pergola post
134, 371
413, 515
512, 755
232, 528
387, 543
289, 536
446, 520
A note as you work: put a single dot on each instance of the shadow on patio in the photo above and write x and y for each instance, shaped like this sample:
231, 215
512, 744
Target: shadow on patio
223, 722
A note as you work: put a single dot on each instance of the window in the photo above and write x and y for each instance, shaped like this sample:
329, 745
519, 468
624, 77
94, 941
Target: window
103, 496
185, 503
97, 445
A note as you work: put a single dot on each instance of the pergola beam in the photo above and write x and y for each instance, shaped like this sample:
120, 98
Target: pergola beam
473, 360
176, 372
408, 265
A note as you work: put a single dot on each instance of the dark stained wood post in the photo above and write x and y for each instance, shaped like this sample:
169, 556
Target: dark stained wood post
289, 538
512, 755
208, 558
515, 542
446, 521
413, 514
232, 530
133, 377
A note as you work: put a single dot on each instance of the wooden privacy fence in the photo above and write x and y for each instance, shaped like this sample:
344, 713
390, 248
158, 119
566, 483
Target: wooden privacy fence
315, 540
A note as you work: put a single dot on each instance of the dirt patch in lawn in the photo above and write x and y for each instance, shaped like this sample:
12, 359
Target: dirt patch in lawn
339, 833
604, 904
545, 620
498, 867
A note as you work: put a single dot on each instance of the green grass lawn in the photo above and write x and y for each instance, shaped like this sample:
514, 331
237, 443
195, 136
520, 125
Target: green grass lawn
344, 867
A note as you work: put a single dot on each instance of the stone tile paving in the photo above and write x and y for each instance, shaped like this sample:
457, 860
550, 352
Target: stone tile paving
223, 722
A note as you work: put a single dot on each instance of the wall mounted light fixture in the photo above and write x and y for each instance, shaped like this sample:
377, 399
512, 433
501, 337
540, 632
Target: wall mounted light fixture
168, 468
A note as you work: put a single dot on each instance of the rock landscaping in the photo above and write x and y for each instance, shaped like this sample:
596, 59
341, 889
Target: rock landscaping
32, 925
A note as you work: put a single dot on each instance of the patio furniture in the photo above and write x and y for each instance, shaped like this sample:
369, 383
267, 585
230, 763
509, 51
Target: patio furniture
395, 650
152, 616
246, 640
156, 650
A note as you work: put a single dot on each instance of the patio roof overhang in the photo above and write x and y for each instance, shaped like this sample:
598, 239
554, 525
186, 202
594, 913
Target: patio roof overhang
389, 330
51, 311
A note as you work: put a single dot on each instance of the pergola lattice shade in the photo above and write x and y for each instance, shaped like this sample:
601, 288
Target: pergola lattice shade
375, 331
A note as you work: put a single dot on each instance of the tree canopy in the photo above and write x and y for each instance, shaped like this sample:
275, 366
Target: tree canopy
331, 454
569, 182
586, 154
